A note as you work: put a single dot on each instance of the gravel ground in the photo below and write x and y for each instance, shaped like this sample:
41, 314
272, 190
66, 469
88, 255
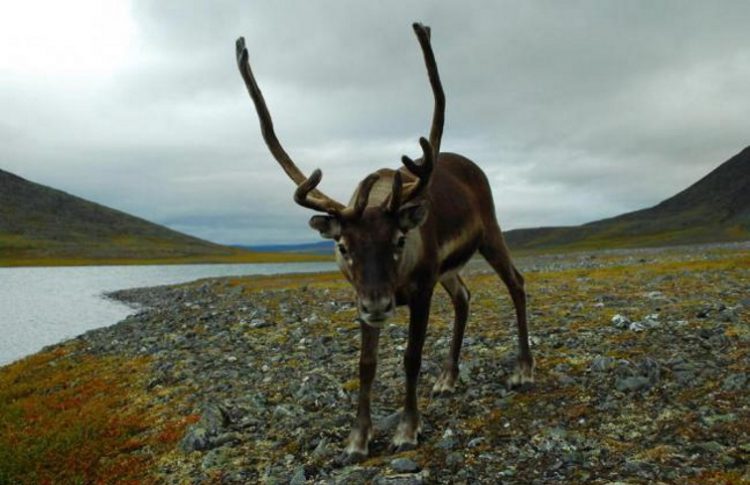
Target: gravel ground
643, 375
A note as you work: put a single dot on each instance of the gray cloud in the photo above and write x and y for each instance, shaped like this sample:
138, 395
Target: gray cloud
576, 111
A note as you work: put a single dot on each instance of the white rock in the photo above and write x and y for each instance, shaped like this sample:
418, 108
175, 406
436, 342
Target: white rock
636, 327
620, 321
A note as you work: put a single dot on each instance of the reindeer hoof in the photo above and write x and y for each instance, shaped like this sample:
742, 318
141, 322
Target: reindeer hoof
406, 437
403, 447
346, 458
445, 384
357, 446
522, 377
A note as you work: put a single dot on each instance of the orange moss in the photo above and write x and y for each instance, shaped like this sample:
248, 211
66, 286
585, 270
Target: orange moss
661, 453
578, 411
69, 418
173, 431
721, 477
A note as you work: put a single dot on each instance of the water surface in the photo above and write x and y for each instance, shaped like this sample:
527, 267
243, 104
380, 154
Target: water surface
42, 306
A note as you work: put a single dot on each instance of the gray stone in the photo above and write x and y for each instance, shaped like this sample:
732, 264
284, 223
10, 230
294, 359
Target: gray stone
259, 323
623, 368
684, 377
704, 312
565, 379
602, 363
734, 382
650, 369
281, 411
719, 418
321, 451
195, 439
729, 315
573, 456
214, 418
620, 321
638, 467
355, 474
299, 477
636, 383
474, 442
447, 443
214, 459
708, 447
389, 423
455, 459
404, 465
410, 479
226, 438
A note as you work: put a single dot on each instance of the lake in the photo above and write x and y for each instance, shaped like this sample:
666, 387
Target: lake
42, 306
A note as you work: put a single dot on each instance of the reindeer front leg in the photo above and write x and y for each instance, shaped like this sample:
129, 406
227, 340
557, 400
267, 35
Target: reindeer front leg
408, 429
359, 438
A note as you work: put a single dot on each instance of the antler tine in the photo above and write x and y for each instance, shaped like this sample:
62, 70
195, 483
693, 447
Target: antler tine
395, 201
302, 194
438, 116
363, 195
423, 172
312, 198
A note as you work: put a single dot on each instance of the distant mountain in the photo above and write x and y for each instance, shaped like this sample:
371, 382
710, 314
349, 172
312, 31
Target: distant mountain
714, 209
38, 222
321, 247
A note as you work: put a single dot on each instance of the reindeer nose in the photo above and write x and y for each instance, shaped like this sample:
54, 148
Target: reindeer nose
376, 307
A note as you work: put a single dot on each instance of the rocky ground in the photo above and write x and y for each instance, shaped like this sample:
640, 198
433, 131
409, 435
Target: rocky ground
643, 361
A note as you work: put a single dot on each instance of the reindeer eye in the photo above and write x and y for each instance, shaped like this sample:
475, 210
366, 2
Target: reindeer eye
342, 249
401, 242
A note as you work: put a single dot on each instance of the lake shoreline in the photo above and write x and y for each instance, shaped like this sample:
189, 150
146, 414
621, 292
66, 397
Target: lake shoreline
42, 306
250, 258
254, 378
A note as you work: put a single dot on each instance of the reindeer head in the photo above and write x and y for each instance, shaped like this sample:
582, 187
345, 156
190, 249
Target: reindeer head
373, 240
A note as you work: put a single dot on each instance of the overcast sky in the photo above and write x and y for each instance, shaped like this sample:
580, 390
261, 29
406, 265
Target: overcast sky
576, 110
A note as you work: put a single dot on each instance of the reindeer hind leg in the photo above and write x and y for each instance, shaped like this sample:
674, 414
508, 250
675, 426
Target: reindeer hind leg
495, 251
460, 296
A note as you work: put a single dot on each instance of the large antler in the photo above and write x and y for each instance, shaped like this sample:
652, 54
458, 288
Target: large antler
430, 148
306, 194
438, 115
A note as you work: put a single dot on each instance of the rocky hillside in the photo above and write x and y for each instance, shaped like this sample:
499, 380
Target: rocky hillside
715, 208
41, 222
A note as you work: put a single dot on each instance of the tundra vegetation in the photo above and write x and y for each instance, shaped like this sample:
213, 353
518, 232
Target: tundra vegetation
643, 358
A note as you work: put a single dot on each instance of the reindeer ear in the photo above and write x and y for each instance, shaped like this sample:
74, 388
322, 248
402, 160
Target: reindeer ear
328, 226
412, 215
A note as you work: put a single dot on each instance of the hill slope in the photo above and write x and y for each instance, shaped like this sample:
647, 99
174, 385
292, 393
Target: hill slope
41, 224
716, 208
320, 247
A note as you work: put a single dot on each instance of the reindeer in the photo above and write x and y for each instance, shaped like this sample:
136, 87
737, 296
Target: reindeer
402, 232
